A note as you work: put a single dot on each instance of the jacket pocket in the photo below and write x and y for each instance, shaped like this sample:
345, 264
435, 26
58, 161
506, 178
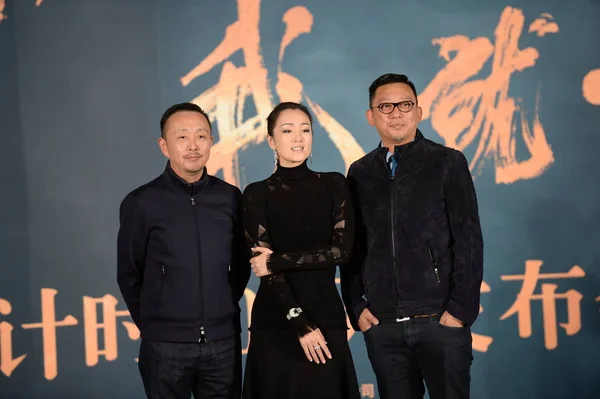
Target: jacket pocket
161, 284
434, 264
363, 277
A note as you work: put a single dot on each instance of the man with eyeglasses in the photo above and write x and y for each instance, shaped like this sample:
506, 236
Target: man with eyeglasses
413, 284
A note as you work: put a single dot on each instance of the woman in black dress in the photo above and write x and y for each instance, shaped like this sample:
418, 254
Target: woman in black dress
300, 226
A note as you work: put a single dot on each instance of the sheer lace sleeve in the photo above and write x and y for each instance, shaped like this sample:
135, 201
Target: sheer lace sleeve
255, 226
342, 236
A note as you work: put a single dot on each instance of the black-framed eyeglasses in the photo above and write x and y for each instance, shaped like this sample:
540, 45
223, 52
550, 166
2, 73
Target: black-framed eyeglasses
388, 108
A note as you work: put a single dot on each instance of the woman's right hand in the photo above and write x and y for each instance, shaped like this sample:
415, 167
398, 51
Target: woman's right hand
315, 346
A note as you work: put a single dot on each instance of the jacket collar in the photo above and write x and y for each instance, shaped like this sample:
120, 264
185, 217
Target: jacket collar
177, 184
403, 149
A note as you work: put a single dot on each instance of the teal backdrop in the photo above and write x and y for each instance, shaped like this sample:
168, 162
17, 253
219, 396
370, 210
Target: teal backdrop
514, 85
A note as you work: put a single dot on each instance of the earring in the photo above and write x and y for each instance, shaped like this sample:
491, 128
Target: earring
310, 158
275, 159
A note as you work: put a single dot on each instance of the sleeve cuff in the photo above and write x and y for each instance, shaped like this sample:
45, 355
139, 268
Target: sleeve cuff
354, 314
462, 313
274, 263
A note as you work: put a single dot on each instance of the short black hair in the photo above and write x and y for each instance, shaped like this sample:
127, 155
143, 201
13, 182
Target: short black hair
387, 79
272, 118
173, 109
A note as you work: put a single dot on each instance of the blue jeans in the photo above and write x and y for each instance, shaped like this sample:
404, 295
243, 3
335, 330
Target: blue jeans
172, 370
403, 354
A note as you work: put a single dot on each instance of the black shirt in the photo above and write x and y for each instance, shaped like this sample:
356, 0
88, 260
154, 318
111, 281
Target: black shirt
306, 218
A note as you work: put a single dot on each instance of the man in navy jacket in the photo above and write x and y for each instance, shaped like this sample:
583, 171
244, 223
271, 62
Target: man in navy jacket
183, 267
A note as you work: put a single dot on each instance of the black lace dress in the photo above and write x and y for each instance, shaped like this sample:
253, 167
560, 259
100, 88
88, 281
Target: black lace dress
306, 218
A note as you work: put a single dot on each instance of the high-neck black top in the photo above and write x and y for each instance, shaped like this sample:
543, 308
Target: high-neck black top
306, 218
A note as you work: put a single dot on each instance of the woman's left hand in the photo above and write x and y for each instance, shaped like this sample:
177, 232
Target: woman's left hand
259, 262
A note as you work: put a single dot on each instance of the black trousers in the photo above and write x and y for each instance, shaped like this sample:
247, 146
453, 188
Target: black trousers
210, 370
404, 354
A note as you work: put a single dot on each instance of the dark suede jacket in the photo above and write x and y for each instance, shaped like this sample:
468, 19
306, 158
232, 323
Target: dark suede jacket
419, 247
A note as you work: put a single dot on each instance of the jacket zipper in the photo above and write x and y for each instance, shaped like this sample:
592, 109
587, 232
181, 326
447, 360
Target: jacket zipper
393, 231
392, 221
435, 268
202, 338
